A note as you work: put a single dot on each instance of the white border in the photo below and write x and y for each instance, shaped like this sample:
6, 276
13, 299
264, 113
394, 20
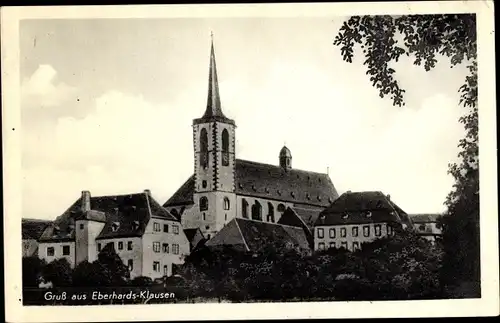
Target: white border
486, 306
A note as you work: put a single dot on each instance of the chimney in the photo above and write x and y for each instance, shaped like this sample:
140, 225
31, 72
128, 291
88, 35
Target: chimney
389, 197
85, 201
148, 192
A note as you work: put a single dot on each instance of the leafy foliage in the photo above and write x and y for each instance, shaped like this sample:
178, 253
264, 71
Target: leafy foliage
32, 271
58, 272
112, 270
427, 38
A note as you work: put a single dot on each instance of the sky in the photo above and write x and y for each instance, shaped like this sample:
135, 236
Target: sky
107, 106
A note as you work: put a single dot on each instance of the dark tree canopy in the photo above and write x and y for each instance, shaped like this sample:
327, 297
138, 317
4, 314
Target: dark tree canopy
428, 39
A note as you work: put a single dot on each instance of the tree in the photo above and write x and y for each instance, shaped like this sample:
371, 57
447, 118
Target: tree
32, 271
112, 270
58, 272
428, 38
87, 274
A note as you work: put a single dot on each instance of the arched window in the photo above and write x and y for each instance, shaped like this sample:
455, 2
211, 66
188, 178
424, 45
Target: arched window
203, 203
225, 148
270, 214
257, 211
204, 148
281, 208
244, 208
226, 203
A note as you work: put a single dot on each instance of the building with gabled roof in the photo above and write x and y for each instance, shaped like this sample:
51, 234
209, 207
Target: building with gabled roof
31, 230
146, 236
356, 218
223, 187
427, 225
251, 236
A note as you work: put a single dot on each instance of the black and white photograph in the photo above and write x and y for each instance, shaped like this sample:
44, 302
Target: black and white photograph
210, 155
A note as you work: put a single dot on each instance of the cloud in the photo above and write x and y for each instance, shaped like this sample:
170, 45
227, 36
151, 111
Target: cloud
41, 90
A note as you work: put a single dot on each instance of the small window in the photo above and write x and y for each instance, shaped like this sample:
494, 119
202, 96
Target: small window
281, 208
204, 184
203, 203
115, 226
175, 249
82, 226
355, 245
50, 251
130, 264
99, 247
368, 214
165, 270
129, 245
321, 233
343, 232
165, 248
226, 204
389, 230
156, 246
321, 245
175, 228
165, 228
65, 250
378, 230
332, 244
332, 233
120, 245
344, 244
355, 231
345, 215
156, 266
204, 216
156, 227
422, 227
366, 231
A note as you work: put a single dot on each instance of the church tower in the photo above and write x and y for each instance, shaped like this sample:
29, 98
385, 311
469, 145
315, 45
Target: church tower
214, 161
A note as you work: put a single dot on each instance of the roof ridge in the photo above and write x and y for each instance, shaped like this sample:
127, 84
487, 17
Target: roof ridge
270, 223
117, 195
277, 166
241, 233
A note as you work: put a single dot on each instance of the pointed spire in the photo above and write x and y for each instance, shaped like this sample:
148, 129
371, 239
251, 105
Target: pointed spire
213, 101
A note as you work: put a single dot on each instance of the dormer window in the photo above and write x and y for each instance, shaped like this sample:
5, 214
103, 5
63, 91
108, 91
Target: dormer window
135, 225
279, 192
379, 204
254, 188
345, 215
115, 226
319, 198
330, 200
292, 194
240, 185
308, 196
267, 189
368, 214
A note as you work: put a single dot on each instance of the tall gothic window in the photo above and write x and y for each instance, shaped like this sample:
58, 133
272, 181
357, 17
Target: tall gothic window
226, 203
257, 211
203, 203
225, 148
270, 214
204, 148
244, 208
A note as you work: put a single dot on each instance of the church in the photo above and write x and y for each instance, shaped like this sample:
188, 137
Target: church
223, 187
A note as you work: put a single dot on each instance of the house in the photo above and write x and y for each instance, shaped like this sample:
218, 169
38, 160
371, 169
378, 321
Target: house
32, 229
223, 187
147, 237
252, 235
427, 225
356, 218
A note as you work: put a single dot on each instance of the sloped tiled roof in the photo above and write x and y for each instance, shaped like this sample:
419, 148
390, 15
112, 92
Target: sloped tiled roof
271, 182
354, 208
425, 218
33, 228
129, 214
253, 235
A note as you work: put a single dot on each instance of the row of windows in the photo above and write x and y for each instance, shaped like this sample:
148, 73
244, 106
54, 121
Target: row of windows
51, 251
354, 231
257, 210
343, 244
204, 203
157, 228
156, 267
204, 148
119, 245
165, 248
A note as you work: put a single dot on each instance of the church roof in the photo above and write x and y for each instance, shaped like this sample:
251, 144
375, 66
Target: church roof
271, 182
360, 208
124, 216
33, 228
251, 235
213, 111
